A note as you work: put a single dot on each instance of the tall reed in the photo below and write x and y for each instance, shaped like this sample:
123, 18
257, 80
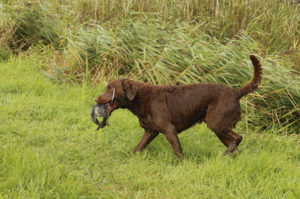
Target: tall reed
181, 54
167, 42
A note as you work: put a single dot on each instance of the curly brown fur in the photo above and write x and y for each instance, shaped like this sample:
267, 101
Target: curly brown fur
172, 109
253, 85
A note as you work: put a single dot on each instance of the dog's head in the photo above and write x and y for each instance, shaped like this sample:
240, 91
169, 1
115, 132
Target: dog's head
118, 94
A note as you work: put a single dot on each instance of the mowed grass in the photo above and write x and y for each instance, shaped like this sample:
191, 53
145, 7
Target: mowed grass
49, 149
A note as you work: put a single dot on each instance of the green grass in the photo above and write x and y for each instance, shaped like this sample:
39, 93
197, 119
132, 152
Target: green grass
48, 145
181, 54
49, 149
88, 41
275, 24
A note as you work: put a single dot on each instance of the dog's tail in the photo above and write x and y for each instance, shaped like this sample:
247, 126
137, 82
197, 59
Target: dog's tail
253, 85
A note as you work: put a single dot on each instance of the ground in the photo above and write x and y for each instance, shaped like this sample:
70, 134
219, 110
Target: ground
49, 148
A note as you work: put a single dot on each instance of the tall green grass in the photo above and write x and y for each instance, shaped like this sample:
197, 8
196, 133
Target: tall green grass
275, 24
179, 54
167, 42
49, 149
25, 25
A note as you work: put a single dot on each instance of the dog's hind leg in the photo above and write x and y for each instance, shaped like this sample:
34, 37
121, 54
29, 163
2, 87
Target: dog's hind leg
226, 140
230, 139
146, 139
221, 121
236, 140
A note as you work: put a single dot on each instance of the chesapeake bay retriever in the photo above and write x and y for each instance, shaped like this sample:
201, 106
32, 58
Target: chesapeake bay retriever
172, 109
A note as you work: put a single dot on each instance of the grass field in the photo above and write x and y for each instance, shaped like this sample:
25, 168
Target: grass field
94, 41
56, 56
49, 149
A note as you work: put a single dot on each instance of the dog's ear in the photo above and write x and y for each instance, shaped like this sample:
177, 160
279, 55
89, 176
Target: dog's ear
130, 89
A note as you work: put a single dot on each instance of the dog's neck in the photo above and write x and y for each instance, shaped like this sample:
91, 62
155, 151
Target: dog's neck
136, 106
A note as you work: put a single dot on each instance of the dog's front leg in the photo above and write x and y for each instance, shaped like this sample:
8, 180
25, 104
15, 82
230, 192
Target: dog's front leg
146, 139
172, 137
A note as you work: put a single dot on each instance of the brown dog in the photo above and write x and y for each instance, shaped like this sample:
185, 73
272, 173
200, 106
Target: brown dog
172, 109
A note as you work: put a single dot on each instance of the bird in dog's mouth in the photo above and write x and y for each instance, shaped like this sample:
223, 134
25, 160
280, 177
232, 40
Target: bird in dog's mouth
102, 110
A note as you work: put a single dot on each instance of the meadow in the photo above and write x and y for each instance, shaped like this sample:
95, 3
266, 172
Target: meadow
56, 56
167, 42
49, 148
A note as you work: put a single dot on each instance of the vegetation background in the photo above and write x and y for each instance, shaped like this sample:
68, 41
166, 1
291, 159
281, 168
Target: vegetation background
57, 55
